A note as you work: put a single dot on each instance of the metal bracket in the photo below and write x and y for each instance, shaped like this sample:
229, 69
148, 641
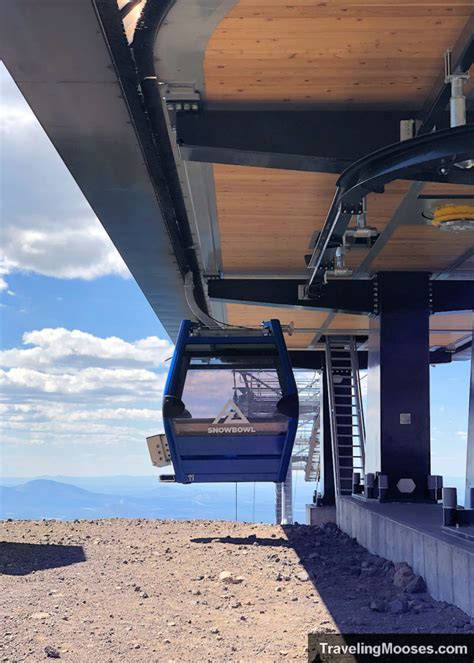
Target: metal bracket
457, 102
352, 208
407, 129
360, 238
303, 292
180, 98
376, 309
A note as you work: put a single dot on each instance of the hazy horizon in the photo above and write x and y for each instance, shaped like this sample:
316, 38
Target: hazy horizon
68, 498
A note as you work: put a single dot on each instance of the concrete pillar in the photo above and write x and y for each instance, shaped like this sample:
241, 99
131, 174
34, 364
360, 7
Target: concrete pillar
278, 501
398, 441
287, 499
329, 496
470, 437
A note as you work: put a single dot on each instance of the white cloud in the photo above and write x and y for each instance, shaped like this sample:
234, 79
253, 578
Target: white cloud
47, 225
104, 380
14, 116
60, 347
77, 247
74, 388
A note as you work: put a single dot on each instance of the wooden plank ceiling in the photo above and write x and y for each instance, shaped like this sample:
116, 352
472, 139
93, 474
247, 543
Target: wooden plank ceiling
333, 54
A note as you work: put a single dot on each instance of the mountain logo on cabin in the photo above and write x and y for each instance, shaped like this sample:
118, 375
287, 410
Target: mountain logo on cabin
231, 413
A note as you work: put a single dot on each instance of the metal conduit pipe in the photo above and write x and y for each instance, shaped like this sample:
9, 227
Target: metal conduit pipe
194, 307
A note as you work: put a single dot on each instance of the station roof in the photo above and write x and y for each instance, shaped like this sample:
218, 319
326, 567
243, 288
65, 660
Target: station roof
87, 70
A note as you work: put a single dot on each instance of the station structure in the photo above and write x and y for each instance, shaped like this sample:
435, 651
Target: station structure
311, 162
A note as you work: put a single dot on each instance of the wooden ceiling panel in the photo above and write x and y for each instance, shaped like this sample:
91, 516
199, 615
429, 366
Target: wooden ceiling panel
349, 322
452, 321
237, 314
444, 340
282, 9
422, 248
242, 314
440, 188
267, 217
340, 51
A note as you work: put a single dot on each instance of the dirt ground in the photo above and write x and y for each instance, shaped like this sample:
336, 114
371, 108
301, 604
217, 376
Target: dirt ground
112, 591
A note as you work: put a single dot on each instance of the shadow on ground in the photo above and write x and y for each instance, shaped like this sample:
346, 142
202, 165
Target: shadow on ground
356, 587
245, 540
20, 559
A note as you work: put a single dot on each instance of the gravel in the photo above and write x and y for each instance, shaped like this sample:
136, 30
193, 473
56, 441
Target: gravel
114, 591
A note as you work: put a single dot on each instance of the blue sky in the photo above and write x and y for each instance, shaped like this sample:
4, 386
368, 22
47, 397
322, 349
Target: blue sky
84, 357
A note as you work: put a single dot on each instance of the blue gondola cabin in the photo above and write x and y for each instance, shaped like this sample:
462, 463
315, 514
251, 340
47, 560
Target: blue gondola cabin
230, 406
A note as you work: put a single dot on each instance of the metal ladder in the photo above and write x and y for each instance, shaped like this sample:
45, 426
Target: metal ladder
345, 411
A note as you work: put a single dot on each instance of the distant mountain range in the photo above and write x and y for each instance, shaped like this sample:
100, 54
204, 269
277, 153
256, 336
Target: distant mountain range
67, 498
46, 498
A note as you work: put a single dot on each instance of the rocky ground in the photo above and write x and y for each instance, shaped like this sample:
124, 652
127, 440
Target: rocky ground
135, 590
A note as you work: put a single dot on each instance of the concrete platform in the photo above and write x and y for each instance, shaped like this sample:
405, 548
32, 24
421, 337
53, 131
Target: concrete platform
412, 533
316, 515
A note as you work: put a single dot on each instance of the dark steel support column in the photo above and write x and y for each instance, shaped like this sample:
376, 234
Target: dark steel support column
401, 377
329, 495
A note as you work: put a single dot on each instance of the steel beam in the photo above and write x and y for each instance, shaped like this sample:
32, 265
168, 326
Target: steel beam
452, 296
344, 296
311, 140
314, 359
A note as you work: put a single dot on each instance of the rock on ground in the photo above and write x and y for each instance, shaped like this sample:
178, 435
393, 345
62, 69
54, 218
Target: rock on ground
114, 591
